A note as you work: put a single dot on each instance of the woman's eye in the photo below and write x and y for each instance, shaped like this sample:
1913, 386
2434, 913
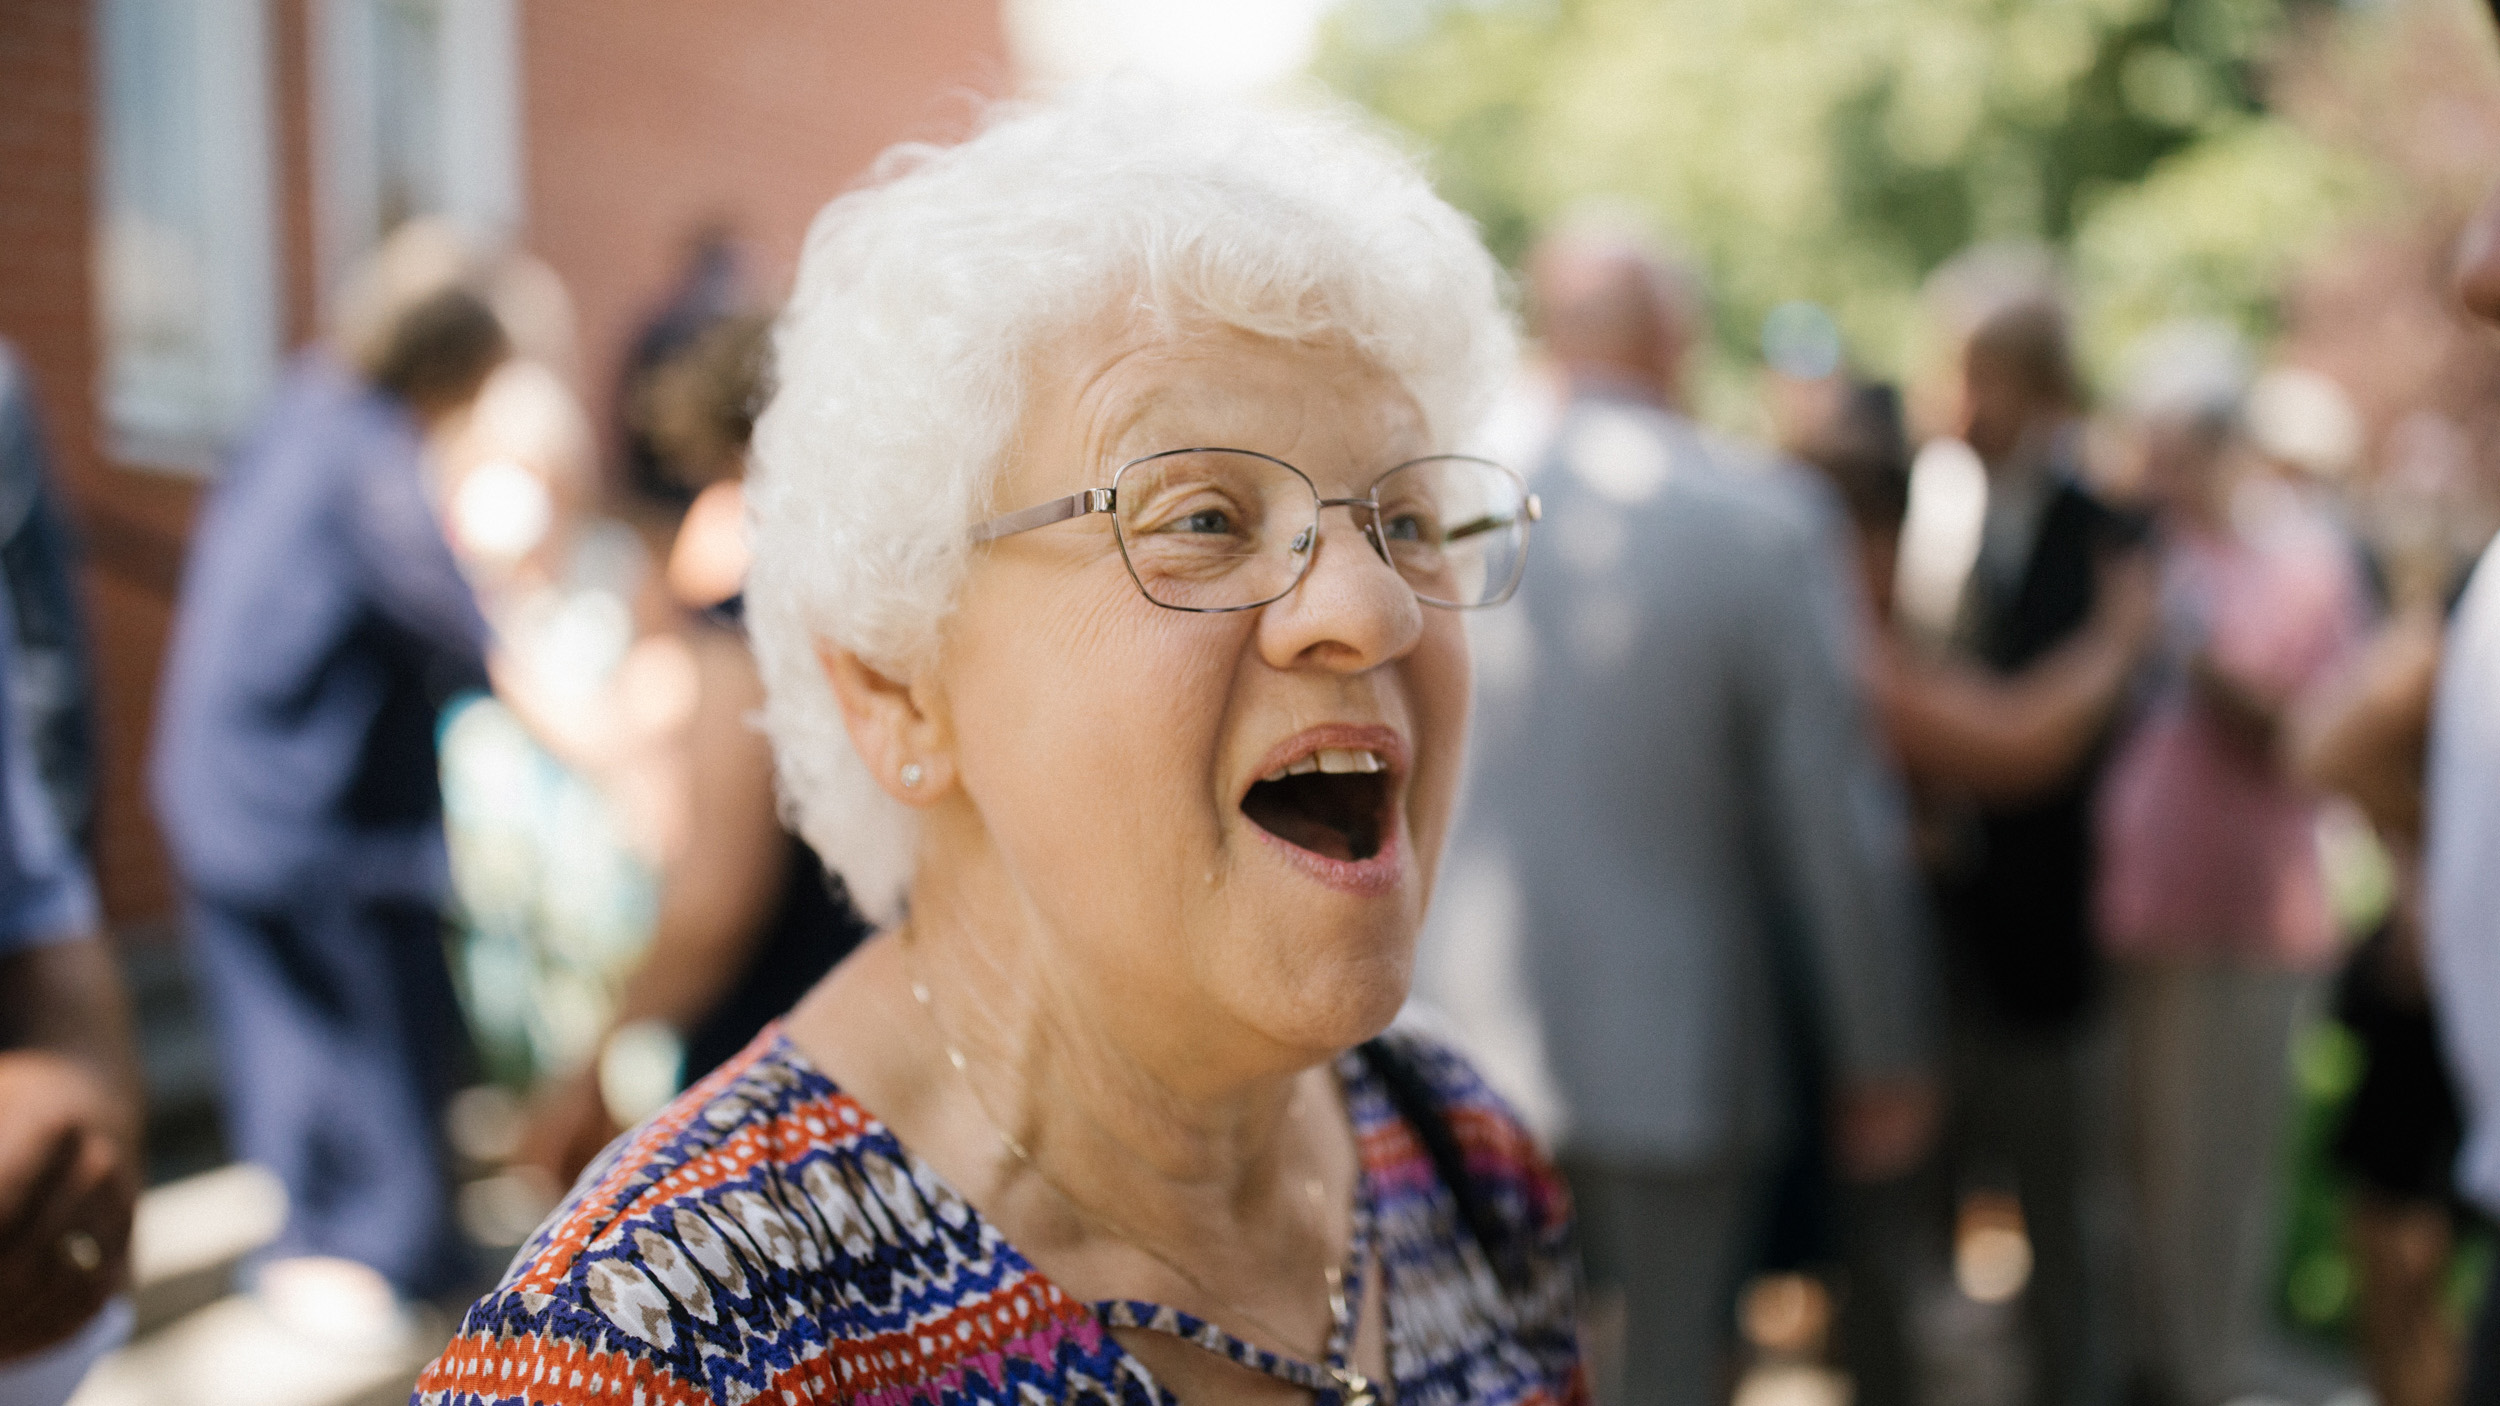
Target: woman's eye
1212, 521
1407, 527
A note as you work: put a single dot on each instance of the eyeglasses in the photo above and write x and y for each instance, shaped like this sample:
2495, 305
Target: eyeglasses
1214, 530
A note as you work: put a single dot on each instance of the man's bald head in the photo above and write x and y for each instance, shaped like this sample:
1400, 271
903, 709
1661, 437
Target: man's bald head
1606, 306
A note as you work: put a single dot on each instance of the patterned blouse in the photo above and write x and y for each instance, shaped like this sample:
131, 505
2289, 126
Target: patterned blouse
767, 1237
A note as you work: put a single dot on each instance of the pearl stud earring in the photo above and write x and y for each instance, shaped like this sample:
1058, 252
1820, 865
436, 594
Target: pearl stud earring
911, 775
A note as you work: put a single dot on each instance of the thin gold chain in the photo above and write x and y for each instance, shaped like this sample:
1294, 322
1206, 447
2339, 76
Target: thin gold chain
1332, 1276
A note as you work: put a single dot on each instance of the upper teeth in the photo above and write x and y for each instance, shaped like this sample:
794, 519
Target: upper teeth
1331, 760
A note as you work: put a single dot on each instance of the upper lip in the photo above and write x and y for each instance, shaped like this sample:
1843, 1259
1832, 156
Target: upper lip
1382, 742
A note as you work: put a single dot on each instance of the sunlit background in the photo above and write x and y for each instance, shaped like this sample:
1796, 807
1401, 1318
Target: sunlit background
2292, 171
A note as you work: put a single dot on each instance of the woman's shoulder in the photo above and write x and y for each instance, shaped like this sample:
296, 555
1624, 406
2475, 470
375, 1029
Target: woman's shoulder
720, 1250
589, 1292
1495, 1140
1437, 1113
1454, 1170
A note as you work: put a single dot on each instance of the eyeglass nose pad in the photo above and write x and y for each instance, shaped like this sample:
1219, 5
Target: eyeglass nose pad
1371, 534
1302, 540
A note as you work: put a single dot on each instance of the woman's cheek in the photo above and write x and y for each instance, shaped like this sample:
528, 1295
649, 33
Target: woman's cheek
1445, 692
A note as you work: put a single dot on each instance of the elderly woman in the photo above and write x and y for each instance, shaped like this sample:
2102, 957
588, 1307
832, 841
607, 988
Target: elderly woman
1109, 556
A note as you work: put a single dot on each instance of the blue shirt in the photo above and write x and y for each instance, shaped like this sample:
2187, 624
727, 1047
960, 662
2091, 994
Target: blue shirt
46, 894
323, 622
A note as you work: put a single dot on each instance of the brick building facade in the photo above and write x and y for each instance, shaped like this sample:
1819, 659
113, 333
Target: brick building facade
610, 130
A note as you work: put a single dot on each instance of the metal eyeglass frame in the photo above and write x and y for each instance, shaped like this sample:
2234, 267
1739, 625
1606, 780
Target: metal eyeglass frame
1366, 509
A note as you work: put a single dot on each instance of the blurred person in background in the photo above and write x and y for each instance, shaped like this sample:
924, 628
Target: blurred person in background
2302, 428
322, 623
2367, 736
2461, 868
2211, 902
748, 918
1853, 434
1966, 733
563, 791
70, 1100
1957, 729
1677, 804
700, 407
709, 291
54, 681
2012, 861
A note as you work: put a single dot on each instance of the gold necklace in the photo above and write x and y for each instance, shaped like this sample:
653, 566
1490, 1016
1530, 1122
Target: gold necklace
1354, 1388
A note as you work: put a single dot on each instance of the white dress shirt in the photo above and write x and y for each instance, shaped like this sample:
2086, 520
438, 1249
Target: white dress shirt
2462, 872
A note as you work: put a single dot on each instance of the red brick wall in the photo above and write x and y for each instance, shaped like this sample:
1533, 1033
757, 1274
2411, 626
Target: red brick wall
643, 118
649, 118
290, 72
44, 181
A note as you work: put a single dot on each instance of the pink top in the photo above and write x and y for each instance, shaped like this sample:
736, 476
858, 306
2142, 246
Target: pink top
2208, 847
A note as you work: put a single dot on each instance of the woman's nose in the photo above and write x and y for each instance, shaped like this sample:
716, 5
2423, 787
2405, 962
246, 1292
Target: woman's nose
2478, 261
1351, 610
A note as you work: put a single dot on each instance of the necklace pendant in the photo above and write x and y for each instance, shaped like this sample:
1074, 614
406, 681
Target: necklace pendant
1353, 1388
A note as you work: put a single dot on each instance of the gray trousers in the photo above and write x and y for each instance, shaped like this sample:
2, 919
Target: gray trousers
1895, 1248
2207, 1045
2030, 1115
1662, 1247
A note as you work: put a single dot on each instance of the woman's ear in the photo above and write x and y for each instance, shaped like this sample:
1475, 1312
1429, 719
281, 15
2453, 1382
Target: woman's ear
896, 731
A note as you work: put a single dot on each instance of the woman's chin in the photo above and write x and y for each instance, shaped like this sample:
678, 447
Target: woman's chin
1338, 997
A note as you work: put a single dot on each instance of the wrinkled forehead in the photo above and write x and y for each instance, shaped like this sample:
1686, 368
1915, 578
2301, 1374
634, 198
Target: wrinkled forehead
1124, 388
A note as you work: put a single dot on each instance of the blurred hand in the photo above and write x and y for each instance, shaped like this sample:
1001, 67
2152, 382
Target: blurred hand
567, 1124
68, 1186
2126, 605
1883, 1128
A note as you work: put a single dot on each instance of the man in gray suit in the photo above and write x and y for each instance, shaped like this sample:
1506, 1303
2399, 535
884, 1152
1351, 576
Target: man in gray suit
1677, 817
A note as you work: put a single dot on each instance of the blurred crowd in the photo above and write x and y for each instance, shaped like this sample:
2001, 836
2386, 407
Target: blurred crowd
433, 665
1901, 861
2013, 783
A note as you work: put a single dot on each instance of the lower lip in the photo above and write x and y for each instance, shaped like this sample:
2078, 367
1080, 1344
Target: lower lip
1381, 874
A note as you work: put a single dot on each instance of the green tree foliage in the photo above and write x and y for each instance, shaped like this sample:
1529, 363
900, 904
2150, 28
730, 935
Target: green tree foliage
1839, 150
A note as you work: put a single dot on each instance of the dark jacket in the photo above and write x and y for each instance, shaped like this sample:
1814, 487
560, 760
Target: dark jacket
323, 623
2015, 900
52, 685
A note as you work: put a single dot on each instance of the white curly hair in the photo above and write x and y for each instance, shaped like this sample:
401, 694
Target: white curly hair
922, 299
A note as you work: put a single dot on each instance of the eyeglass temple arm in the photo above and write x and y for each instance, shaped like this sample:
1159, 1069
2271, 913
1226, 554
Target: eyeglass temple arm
1530, 509
1092, 500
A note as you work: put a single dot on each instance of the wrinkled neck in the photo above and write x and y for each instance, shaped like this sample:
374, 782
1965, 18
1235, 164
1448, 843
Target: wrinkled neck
1172, 1113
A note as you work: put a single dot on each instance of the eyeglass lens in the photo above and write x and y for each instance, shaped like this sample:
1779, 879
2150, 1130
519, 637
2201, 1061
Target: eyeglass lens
1213, 529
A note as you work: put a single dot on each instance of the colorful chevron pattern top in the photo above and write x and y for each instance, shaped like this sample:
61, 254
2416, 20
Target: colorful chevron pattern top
766, 1238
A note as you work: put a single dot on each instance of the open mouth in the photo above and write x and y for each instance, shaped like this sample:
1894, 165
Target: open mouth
1334, 802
